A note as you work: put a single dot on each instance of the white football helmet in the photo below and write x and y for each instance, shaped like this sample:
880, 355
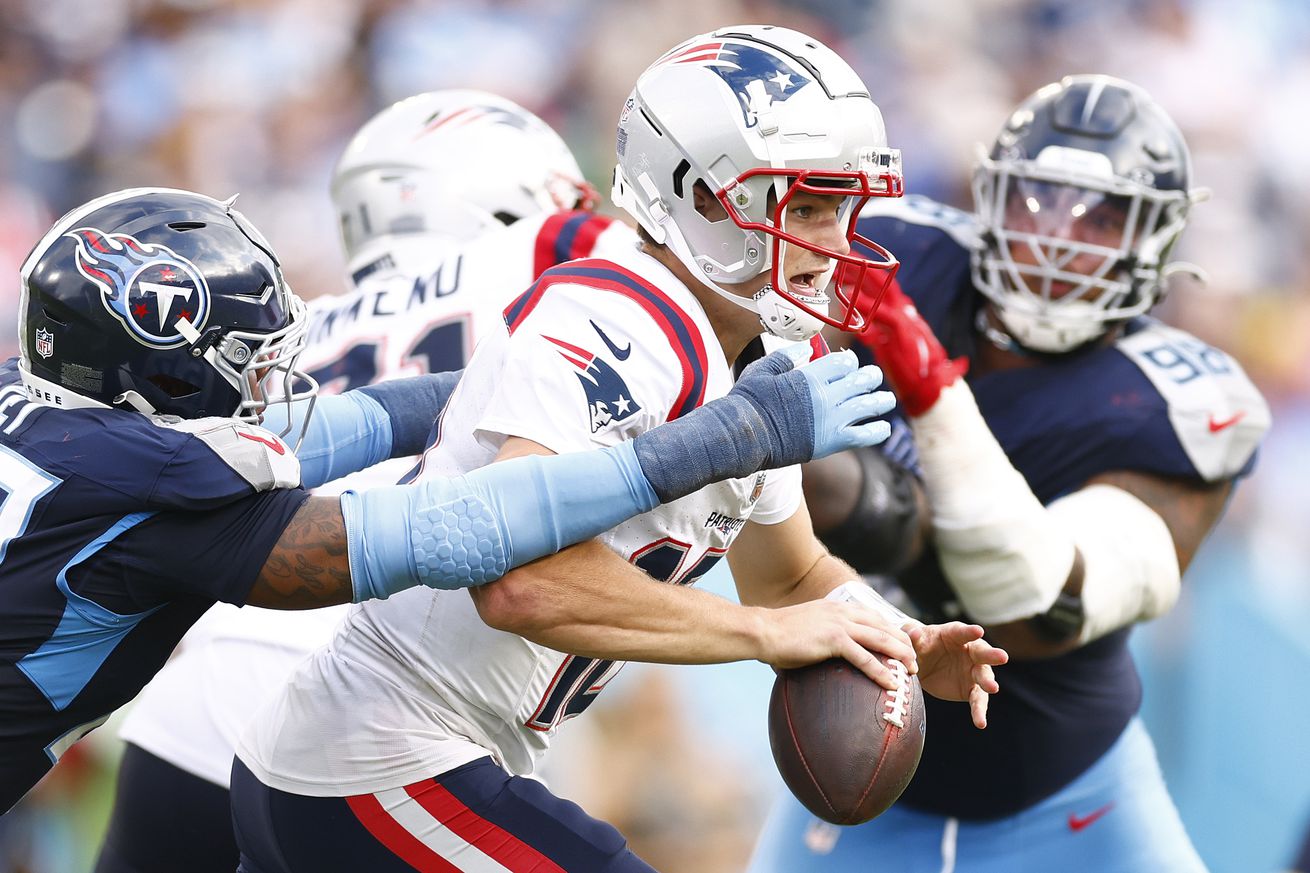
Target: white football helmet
455, 164
757, 114
1080, 201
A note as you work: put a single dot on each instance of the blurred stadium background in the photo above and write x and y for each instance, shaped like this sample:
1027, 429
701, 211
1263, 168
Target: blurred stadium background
259, 96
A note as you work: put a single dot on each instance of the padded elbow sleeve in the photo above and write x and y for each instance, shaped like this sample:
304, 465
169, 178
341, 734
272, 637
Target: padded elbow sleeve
472, 529
1130, 564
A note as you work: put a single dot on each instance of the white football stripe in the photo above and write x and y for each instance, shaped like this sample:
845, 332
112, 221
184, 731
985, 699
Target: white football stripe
411, 815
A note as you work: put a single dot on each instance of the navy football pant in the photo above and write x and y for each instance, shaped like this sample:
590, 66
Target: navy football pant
1302, 862
166, 820
475, 818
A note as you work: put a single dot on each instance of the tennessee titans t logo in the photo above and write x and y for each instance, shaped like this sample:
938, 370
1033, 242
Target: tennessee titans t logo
756, 76
608, 397
148, 287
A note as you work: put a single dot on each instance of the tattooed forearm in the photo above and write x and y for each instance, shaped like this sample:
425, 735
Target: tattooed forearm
308, 567
1189, 508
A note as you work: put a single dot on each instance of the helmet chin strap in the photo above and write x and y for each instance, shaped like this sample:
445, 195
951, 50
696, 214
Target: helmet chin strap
777, 315
996, 336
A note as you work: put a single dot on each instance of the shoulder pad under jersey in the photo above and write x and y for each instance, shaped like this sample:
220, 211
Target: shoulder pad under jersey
256, 455
1218, 415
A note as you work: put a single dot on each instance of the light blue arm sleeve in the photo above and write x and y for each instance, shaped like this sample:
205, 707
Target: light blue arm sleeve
472, 529
347, 433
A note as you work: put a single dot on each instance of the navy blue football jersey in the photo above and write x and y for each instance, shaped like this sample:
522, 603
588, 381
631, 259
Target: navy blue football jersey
1156, 401
116, 532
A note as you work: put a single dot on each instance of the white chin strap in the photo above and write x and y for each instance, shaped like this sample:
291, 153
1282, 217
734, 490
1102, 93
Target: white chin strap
1079, 323
780, 316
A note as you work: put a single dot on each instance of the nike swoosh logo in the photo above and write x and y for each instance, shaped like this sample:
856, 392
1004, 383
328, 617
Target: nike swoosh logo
275, 445
622, 355
1077, 823
1216, 426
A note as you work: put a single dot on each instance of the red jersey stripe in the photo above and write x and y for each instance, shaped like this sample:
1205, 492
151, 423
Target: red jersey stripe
400, 842
493, 841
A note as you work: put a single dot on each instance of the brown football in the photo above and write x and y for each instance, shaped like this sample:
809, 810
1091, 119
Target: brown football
845, 746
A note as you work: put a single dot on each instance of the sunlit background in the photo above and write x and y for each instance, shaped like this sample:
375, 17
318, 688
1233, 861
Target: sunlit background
258, 97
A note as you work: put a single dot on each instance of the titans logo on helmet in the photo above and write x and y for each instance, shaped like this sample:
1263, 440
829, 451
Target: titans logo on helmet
608, 397
147, 287
752, 73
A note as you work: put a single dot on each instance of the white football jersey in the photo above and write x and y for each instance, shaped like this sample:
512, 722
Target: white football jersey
420, 306
595, 353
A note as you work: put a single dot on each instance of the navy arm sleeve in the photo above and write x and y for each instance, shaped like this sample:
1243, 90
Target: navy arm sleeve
413, 405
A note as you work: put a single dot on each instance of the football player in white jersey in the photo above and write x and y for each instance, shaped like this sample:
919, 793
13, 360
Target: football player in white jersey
438, 243
744, 155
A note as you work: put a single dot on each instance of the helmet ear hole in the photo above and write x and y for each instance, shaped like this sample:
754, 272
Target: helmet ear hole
680, 173
707, 205
172, 386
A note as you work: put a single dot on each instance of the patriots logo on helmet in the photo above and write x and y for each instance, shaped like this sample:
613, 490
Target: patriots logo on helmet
608, 397
148, 287
752, 73
465, 115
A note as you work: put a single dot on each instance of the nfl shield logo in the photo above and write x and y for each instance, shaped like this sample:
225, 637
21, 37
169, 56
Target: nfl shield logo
45, 343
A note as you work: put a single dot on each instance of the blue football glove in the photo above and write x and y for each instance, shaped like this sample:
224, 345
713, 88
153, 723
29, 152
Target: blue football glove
842, 401
776, 415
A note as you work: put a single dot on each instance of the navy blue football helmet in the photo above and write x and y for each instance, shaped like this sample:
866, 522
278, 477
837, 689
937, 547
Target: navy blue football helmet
1080, 200
162, 301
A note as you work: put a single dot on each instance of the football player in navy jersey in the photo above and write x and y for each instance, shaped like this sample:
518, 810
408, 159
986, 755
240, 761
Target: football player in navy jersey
137, 487
1064, 484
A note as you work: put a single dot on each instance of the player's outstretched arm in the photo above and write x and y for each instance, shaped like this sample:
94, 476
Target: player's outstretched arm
1044, 579
355, 430
776, 415
588, 601
469, 530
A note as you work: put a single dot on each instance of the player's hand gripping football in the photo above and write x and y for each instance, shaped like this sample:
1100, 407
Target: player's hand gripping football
815, 410
955, 663
814, 631
917, 366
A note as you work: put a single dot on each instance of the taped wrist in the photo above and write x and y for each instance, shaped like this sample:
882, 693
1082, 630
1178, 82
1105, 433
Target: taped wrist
347, 433
469, 530
1004, 554
412, 405
859, 592
1130, 564
726, 438
881, 533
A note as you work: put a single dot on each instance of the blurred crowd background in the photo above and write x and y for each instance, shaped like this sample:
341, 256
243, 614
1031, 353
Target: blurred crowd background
258, 97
